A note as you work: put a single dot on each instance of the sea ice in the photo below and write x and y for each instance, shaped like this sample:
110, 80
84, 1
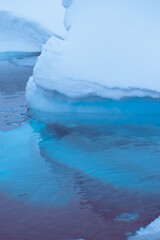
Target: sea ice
127, 217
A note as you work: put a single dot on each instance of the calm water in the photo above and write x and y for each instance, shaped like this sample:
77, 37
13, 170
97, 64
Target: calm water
91, 177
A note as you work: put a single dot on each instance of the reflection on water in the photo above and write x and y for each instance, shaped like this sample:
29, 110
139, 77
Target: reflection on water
93, 179
12, 95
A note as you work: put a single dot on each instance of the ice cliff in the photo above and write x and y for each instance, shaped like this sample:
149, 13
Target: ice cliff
111, 50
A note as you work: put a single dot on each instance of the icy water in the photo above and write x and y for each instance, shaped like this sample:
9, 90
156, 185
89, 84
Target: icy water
90, 177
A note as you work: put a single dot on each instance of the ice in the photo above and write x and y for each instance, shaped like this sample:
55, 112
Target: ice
25, 61
49, 14
67, 3
17, 56
127, 217
26, 25
111, 51
151, 232
51, 101
30, 169
20, 35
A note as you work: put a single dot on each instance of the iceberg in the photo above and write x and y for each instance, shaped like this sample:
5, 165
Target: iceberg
23, 30
152, 231
110, 50
103, 57
48, 14
20, 35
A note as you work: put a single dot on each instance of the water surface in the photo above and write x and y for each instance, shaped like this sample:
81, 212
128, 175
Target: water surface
90, 177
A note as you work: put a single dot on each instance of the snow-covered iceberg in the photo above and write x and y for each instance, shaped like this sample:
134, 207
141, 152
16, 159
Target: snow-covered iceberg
20, 35
111, 50
26, 25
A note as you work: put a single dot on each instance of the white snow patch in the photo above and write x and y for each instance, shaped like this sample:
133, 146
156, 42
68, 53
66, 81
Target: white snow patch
48, 13
26, 25
18, 34
151, 232
111, 50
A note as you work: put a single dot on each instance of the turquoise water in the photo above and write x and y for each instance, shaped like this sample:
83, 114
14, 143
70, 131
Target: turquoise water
69, 177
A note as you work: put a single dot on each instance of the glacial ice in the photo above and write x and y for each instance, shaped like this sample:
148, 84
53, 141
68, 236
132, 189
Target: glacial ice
26, 25
111, 50
151, 232
29, 161
49, 14
19, 35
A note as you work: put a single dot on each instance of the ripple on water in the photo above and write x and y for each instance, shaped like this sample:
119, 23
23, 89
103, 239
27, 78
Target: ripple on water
93, 180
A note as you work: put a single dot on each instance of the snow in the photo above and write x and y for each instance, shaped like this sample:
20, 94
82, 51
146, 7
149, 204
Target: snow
67, 3
48, 13
111, 50
151, 232
26, 25
17, 34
